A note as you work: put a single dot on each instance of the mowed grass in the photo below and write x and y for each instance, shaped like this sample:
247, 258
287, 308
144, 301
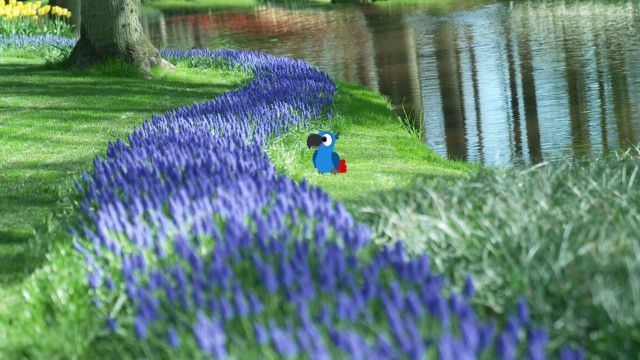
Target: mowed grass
54, 122
380, 152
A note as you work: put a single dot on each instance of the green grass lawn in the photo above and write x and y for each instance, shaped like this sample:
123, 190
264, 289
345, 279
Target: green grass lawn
54, 122
381, 154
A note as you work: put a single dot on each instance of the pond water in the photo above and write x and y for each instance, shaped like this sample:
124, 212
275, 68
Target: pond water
506, 83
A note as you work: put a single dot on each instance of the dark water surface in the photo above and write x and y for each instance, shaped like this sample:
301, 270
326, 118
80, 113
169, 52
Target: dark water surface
504, 83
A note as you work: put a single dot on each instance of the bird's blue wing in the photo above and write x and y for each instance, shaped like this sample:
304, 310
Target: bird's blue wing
335, 158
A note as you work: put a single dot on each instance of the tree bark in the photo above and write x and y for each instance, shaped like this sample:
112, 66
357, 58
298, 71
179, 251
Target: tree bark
110, 29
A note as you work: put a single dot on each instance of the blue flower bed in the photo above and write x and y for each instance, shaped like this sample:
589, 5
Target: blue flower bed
45, 41
193, 242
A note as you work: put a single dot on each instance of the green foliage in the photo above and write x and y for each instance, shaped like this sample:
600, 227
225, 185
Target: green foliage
26, 25
564, 235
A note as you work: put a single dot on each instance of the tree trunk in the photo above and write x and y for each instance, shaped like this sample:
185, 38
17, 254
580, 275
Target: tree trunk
110, 29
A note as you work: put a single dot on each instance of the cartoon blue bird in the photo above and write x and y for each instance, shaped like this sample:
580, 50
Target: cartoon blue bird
324, 158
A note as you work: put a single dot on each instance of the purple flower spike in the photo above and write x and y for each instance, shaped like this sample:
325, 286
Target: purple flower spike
537, 342
173, 338
140, 327
112, 323
523, 311
283, 342
261, 334
568, 353
469, 289
210, 336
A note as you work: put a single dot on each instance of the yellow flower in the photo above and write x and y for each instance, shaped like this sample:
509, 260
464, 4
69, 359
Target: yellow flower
38, 3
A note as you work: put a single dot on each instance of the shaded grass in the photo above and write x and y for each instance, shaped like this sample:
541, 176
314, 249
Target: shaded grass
53, 122
380, 153
563, 235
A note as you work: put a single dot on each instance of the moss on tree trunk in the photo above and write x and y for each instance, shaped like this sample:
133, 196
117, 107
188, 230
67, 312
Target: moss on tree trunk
110, 29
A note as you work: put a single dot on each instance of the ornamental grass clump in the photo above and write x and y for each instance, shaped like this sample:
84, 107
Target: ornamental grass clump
564, 235
193, 243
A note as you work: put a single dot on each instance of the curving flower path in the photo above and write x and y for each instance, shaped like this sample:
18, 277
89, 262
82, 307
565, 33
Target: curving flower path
190, 227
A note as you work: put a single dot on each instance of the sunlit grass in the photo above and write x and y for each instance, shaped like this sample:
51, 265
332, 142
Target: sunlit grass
381, 154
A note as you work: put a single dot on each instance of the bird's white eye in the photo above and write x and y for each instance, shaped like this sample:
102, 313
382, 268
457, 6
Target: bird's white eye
327, 140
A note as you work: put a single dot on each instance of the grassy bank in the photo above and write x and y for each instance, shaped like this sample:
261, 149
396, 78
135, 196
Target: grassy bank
564, 235
54, 122
381, 154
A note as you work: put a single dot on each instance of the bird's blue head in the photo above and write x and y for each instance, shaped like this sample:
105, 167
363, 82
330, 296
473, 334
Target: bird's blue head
324, 140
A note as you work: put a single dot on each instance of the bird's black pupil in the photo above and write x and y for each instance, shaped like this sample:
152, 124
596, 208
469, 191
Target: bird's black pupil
324, 138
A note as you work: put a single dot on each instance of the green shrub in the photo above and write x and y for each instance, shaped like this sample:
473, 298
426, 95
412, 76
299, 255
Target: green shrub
565, 235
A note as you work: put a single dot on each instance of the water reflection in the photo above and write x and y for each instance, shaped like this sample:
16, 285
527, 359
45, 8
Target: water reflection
501, 84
